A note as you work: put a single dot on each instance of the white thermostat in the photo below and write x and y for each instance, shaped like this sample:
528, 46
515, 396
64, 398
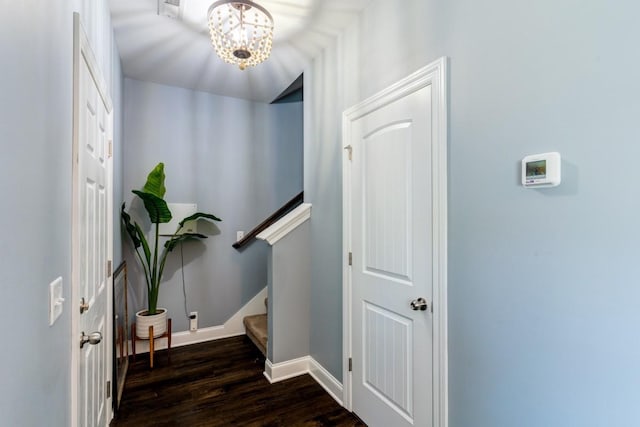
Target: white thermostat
541, 170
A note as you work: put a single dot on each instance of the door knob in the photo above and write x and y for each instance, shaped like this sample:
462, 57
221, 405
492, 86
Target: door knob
419, 304
93, 339
84, 305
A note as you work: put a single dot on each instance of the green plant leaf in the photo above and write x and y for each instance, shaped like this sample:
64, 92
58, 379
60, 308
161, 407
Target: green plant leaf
173, 242
156, 207
129, 227
199, 215
155, 182
152, 261
145, 245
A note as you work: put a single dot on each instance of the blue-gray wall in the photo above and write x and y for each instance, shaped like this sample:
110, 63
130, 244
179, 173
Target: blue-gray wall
543, 294
237, 159
36, 47
118, 157
289, 302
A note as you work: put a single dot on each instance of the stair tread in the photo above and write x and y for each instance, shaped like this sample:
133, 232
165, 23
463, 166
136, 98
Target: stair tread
256, 327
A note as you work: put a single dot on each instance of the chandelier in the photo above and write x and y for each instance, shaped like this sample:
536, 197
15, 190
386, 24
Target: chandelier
241, 32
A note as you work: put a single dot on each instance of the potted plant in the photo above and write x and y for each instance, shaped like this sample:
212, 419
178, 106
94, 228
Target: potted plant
153, 258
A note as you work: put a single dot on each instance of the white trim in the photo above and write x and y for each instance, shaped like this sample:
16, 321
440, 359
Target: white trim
323, 377
231, 328
434, 74
276, 372
440, 249
286, 224
183, 338
347, 350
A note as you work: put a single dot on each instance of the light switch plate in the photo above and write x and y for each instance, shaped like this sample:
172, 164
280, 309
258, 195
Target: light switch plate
55, 300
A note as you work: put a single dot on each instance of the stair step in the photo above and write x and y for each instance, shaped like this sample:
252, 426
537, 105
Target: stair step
256, 327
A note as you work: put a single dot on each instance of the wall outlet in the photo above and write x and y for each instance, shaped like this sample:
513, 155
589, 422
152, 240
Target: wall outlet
193, 321
239, 235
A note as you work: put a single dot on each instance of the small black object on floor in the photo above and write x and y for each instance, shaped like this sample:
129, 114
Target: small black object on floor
221, 383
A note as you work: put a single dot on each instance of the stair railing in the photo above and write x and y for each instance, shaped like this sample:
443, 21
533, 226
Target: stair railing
285, 209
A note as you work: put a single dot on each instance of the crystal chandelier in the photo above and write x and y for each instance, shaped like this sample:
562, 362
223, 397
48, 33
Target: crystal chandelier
241, 32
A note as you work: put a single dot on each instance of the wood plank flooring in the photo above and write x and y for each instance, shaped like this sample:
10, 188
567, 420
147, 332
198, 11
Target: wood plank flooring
220, 383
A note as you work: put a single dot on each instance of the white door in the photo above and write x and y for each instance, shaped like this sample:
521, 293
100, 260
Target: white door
92, 226
394, 243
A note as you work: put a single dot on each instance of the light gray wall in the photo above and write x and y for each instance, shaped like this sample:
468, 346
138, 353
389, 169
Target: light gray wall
36, 47
323, 189
237, 159
289, 297
542, 283
118, 156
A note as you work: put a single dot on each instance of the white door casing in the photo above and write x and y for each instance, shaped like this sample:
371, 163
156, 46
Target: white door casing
91, 238
394, 201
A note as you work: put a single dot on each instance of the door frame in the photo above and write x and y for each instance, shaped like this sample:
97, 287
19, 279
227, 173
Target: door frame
434, 75
82, 48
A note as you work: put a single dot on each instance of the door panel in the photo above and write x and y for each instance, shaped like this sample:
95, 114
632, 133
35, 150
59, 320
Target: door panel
388, 357
92, 229
391, 226
387, 214
93, 172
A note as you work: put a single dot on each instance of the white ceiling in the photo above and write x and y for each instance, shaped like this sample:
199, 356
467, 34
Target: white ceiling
178, 52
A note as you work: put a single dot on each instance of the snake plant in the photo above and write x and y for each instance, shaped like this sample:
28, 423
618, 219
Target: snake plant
153, 261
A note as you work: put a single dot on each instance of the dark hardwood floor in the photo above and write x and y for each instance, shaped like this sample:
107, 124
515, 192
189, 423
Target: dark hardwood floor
220, 383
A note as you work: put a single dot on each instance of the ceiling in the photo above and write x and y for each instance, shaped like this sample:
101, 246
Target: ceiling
177, 50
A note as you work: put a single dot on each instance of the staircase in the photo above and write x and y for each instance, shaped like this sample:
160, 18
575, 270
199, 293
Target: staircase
256, 327
288, 284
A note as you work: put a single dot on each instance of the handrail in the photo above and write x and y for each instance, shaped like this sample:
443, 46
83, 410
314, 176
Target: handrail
285, 209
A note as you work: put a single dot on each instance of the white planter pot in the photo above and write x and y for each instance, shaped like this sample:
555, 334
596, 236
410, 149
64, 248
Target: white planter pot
158, 321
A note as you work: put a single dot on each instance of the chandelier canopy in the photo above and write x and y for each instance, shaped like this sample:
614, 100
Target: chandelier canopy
241, 32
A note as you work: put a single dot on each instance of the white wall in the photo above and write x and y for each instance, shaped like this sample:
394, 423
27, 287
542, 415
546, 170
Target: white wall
237, 159
542, 283
36, 47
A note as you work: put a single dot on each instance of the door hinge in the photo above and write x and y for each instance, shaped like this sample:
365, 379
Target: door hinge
350, 364
110, 148
108, 389
350, 151
350, 258
84, 305
109, 268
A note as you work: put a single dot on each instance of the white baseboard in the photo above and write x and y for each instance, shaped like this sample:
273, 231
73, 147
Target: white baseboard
323, 377
231, 328
275, 372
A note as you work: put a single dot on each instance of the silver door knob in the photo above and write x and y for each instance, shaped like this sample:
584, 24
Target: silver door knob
419, 304
93, 339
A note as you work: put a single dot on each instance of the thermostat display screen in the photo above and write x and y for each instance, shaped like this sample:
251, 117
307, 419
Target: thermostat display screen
537, 169
541, 170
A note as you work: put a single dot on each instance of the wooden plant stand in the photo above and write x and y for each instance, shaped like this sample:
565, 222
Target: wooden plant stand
151, 340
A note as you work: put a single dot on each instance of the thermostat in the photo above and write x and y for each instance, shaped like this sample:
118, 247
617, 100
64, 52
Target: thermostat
541, 170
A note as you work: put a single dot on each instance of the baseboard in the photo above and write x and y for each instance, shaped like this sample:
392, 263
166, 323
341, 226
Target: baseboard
231, 328
275, 372
323, 377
